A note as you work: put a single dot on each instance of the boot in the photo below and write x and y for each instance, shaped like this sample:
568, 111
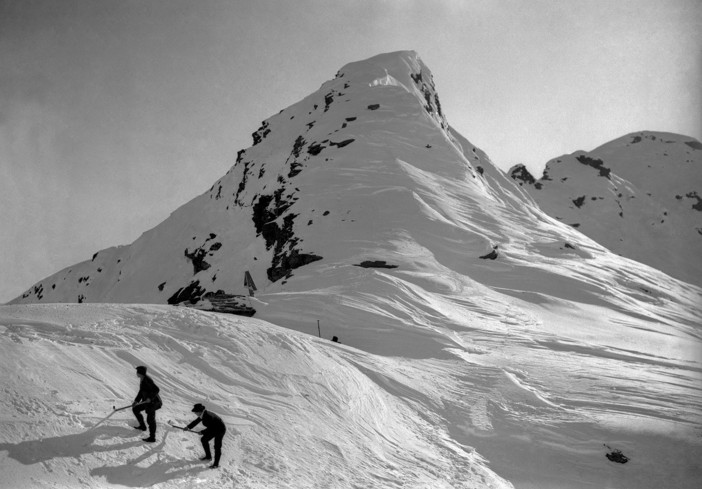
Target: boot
152, 432
140, 422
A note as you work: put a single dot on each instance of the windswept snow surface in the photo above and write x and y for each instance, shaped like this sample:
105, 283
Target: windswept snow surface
301, 411
515, 405
640, 196
359, 207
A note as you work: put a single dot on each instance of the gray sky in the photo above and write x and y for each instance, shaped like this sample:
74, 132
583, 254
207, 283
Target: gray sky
114, 113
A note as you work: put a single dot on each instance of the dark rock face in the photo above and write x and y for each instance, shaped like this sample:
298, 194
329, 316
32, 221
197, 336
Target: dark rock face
375, 264
220, 301
579, 201
492, 255
191, 293
284, 264
428, 89
343, 143
598, 164
315, 148
521, 175
616, 456
261, 133
281, 238
693, 195
244, 177
37, 290
197, 256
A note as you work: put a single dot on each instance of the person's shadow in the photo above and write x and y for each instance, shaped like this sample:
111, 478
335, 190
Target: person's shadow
36, 451
130, 474
74, 446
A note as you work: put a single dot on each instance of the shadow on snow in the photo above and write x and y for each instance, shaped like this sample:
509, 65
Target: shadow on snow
75, 446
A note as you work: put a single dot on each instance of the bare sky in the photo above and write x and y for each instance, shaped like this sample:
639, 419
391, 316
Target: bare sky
114, 113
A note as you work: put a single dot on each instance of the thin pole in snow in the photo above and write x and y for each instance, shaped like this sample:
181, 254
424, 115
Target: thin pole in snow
319, 330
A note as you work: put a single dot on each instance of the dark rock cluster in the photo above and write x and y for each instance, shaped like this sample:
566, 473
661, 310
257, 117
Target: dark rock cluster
616, 456
520, 174
375, 264
197, 256
598, 164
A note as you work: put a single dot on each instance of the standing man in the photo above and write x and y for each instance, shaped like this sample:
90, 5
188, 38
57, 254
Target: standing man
214, 428
146, 400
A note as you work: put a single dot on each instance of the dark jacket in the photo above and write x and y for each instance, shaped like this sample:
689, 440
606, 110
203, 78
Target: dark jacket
212, 422
149, 391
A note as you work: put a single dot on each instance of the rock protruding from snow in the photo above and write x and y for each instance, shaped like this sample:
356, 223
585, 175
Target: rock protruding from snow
329, 160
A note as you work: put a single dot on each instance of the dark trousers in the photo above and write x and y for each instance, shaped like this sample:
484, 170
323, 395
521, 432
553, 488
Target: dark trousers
150, 417
207, 435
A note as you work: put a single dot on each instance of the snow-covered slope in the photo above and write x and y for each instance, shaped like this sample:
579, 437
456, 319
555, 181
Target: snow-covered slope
366, 169
323, 180
640, 196
303, 412
360, 213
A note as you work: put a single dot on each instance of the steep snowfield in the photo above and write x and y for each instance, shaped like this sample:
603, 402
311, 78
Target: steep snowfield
640, 196
301, 412
470, 320
543, 400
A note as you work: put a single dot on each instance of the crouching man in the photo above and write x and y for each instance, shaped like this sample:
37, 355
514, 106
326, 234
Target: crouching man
214, 428
146, 400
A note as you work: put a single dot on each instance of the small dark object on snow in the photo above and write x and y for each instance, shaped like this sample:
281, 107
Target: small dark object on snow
335, 339
492, 255
375, 264
617, 456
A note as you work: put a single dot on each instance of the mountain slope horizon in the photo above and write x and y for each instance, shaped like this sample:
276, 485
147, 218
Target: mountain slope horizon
359, 212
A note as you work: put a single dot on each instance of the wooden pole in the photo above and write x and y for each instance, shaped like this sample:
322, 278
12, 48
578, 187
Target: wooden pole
319, 330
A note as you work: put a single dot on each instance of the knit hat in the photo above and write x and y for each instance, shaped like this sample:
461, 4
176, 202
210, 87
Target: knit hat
198, 408
141, 370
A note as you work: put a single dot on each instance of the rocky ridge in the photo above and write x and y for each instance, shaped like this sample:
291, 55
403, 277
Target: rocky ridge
640, 196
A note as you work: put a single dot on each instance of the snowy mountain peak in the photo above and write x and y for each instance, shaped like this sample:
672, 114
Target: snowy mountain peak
375, 114
401, 69
639, 195
471, 322
365, 172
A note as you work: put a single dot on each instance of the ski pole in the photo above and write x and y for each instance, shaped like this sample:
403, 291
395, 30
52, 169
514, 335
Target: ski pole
115, 409
184, 428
